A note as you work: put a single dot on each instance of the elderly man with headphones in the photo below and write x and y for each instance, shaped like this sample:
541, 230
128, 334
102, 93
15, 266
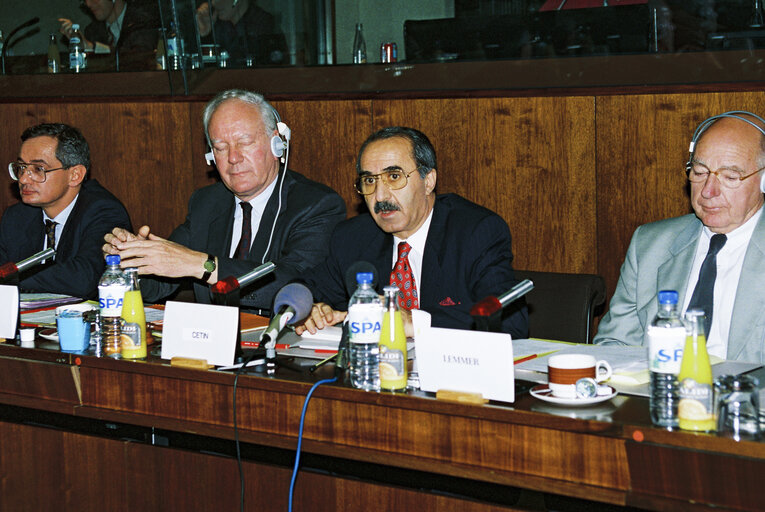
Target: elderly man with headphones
259, 212
124, 25
714, 257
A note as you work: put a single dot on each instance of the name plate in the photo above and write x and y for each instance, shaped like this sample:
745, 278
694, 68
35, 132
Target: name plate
469, 361
200, 331
9, 305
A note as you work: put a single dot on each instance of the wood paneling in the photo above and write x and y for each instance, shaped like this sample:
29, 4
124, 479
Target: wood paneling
532, 160
573, 176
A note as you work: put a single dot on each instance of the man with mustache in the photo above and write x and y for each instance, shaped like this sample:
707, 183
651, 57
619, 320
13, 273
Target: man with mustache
714, 257
59, 208
442, 251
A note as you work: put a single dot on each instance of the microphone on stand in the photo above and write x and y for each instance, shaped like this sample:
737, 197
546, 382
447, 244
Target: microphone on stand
292, 304
230, 284
11, 270
12, 33
487, 312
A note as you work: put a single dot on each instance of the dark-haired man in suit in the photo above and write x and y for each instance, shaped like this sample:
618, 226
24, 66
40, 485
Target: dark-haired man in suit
443, 252
59, 208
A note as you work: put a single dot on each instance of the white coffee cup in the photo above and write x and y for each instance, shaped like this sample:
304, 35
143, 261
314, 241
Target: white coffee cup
563, 370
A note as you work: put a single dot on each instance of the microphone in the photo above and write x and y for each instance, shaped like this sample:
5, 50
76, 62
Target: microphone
231, 283
11, 269
490, 305
12, 33
292, 304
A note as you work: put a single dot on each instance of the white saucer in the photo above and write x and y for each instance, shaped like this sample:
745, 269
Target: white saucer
543, 393
49, 334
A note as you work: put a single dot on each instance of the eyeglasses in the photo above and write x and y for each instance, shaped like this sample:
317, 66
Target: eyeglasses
393, 179
37, 173
728, 178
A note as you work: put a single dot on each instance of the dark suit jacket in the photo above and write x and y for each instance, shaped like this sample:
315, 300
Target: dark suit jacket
467, 257
140, 27
256, 35
79, 262
309, 213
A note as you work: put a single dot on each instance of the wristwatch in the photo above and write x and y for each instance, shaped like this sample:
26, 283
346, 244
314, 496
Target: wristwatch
209, 266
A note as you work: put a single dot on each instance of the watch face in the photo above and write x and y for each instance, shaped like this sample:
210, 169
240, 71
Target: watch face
209, 265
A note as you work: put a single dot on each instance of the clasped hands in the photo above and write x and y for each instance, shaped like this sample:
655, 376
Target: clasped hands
152, 254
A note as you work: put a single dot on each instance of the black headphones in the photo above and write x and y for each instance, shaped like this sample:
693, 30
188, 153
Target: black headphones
279, 143
705, 124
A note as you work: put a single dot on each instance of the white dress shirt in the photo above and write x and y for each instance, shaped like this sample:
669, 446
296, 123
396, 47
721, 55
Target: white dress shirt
730, 261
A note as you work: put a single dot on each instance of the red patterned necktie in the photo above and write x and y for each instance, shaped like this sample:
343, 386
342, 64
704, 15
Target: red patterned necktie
401, 276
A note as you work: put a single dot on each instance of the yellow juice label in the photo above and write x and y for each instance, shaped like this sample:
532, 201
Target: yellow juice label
393, 369
133, 338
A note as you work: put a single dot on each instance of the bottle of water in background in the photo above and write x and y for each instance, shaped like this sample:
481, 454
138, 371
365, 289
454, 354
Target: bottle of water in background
111, 293
365, 313
359, 46
76, 50
665, 339
54, 58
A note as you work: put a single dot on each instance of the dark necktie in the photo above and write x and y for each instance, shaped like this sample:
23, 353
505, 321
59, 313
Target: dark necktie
703, 295
401, 276
50, 236
243, 249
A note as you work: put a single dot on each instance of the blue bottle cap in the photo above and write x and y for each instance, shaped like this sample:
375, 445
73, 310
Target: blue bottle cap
113, 259
364, 277
668, 297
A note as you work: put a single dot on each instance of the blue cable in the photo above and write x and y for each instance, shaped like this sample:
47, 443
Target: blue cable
300, 436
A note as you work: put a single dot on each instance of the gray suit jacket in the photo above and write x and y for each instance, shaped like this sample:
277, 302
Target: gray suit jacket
309, 213
659, 257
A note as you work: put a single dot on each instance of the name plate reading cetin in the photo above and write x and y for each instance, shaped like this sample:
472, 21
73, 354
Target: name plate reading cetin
467, 361
200, 331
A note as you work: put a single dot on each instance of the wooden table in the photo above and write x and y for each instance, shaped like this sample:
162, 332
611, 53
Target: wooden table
148, 436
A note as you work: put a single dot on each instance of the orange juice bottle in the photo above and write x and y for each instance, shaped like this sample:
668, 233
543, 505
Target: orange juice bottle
696, 408
393, 370
133, 339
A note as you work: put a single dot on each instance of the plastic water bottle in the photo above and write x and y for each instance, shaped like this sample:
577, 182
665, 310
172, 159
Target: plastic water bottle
76, 50
365, 313
666, 338
111, 293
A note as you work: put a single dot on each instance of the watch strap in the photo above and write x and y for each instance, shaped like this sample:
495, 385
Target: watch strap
208, 273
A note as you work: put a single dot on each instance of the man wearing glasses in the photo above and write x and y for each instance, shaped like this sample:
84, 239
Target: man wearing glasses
442, 251
59, 208
713, 258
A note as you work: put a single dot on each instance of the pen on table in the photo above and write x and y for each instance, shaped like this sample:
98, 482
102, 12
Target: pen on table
322, 363
532, 356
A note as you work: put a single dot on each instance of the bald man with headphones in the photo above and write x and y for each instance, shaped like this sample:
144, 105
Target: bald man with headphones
714, 258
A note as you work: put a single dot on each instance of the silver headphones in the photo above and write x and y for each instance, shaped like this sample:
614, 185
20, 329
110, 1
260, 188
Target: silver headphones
705, 124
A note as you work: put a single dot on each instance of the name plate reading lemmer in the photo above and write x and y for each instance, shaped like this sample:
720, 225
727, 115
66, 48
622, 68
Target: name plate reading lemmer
200, 331
469, 361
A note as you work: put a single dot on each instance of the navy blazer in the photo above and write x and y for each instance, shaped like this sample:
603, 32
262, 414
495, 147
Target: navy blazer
79, 261
309, 213
467, 257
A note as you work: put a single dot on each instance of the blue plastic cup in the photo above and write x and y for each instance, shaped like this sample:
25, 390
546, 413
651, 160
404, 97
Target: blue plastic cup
73, 330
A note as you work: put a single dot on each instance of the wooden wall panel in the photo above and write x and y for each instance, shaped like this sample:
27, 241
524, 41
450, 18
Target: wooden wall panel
531, 160
642, 145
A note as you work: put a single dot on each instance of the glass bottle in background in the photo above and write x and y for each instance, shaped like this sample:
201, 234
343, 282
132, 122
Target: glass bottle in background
359, 46
696, 408
133, 335
111, 293
665, 339
54, 57
364, 319
161, 56
77, 60
393, 371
